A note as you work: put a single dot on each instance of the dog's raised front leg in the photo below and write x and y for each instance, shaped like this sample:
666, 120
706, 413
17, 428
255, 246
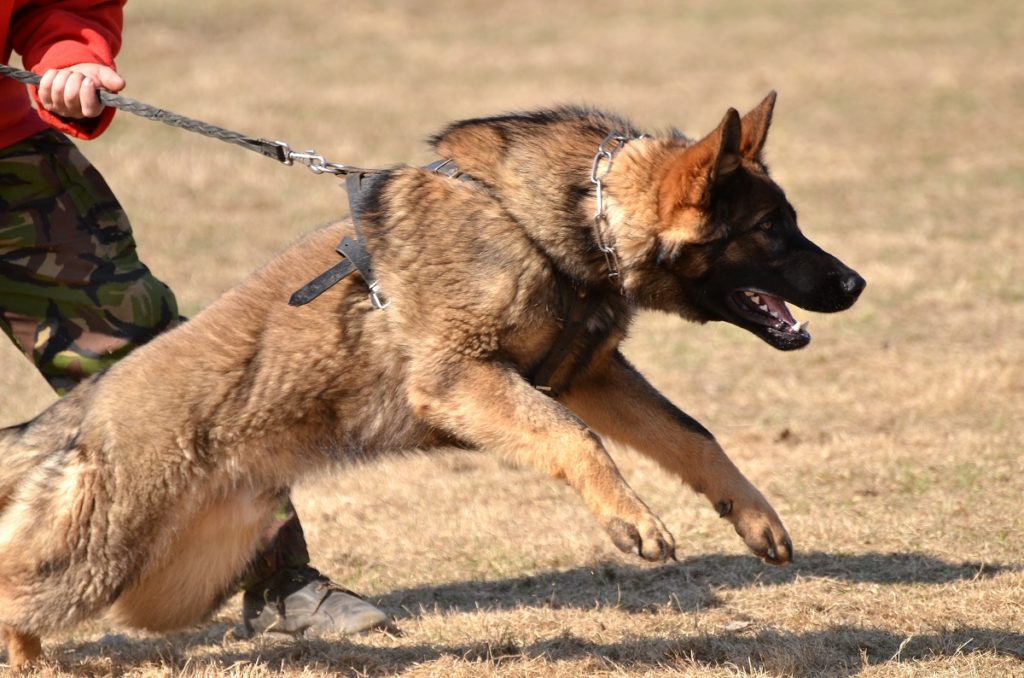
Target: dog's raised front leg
617, 401
492, 407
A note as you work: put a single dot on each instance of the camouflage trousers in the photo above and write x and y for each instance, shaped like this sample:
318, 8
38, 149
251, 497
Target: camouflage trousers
74, 296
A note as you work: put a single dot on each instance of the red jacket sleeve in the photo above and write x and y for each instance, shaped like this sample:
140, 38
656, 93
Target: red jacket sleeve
63, 33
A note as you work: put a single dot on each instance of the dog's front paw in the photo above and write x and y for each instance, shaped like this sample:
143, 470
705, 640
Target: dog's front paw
646, 536
761, 530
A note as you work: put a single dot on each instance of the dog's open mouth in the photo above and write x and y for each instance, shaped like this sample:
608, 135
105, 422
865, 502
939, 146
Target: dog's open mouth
771, 314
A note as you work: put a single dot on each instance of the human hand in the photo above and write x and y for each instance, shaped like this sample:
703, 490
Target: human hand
71, 92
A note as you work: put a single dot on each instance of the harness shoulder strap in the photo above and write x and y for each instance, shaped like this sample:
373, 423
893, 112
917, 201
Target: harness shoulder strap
320, 284
355, 253
356, 256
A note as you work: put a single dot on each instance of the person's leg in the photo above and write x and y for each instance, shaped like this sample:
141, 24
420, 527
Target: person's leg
284, 594
75, 298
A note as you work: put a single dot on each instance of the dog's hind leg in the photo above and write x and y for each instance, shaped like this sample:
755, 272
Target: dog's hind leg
200, 565
492, 406
618, 402
22, 648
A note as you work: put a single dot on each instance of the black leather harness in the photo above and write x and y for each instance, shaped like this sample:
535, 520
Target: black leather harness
576, 302
355, 256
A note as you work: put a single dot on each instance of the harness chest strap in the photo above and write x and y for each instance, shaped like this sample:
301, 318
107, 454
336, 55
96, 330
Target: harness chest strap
578, 304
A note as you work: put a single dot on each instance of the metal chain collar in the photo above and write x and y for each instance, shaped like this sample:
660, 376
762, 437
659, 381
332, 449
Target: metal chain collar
611, 145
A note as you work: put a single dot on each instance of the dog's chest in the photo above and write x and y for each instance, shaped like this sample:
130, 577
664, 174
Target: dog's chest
587, 325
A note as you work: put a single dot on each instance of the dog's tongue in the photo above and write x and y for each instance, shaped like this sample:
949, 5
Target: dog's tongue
778, 307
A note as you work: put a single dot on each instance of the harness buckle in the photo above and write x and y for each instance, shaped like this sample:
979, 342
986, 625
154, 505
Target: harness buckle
375, 299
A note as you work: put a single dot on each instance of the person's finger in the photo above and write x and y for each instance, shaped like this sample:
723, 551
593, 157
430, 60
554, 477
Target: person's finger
57, 91
72, 95
89, 99
109, 79
46, 89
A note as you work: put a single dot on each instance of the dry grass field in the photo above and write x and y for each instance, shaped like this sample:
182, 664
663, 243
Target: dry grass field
892, 446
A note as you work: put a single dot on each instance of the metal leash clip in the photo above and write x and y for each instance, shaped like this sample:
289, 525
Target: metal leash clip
316, 163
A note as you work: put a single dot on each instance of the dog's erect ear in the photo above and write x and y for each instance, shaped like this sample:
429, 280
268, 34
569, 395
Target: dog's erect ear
754, 128
694, 172
685, 192
726, 140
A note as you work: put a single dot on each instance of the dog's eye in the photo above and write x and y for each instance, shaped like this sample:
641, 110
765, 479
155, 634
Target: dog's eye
766, 225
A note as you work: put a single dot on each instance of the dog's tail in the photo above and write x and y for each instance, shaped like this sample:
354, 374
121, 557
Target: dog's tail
48, 504
25, 446
18, 459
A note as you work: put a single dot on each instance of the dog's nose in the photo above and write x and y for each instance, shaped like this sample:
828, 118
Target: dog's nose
853, 284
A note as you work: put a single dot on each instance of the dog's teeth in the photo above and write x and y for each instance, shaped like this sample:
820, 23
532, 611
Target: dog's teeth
774, 315
756, 299
763, 307
801, 326
748, 293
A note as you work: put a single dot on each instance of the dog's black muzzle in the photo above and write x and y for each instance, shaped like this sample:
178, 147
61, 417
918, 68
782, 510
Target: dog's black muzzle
816, 281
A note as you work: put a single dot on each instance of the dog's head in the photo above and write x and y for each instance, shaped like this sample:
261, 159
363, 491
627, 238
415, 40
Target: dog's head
720, 239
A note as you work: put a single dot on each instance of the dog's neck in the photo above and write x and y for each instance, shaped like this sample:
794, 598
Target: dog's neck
540, 168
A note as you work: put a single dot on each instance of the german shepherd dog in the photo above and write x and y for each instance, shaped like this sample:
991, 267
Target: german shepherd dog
144, 492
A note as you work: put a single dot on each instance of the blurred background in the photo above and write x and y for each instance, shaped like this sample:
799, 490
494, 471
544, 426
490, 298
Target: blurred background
891, 446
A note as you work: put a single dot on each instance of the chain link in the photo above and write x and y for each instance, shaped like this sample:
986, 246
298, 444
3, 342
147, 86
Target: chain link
611, 145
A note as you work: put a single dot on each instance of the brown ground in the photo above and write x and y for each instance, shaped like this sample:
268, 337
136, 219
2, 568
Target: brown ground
891, 446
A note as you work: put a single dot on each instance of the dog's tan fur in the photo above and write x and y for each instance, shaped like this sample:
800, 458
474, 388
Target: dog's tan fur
145, 490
